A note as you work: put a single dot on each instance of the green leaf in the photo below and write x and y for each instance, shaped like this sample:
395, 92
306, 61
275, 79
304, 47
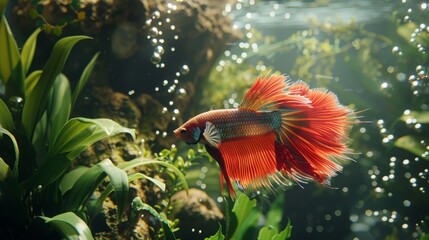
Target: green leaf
119, 181
38, 99
132, 177
413, 144
286, 233
424, 236
84, 78
420, 117
70, 226
31, 81
9, 56
59, 106
75, 136
79, 133
15, 171
246, 215
4, 170
138, 205
70, 178
271, 233
217, 236
76, 198
6, 120
28, 50
144, 161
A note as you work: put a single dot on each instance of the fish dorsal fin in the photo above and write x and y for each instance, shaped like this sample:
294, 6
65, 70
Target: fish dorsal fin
270, 94
212, 135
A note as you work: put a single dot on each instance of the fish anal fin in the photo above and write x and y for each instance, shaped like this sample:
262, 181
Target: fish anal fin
251, 161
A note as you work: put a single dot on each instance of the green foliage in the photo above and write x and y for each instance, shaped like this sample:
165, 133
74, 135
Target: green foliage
218, 235
73, 15
138, 206
39, 142
70, 226
271, 233
242, 221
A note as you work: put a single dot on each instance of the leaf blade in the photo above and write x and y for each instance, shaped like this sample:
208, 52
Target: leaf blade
7, 45
69, 225
36, 103
28, 50
84, 78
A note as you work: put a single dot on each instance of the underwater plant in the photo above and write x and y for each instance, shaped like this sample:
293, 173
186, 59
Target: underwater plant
39, 142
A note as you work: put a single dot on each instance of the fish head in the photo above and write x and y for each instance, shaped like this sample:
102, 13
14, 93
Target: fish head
189, 132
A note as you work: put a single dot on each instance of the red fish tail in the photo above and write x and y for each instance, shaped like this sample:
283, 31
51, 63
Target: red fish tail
312, 138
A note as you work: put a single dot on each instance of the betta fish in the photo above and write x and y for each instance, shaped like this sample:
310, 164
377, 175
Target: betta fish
280, 132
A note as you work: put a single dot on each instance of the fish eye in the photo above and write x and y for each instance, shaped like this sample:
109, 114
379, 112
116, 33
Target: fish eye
183, 131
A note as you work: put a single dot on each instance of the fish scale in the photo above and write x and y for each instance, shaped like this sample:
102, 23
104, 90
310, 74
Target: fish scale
235, 123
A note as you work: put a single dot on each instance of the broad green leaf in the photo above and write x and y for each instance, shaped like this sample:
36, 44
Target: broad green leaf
246, 215
84, 78
267, 233
70, 226
70, 178
28, 50
31, 81
75, 136
420, 117
76, 198
144, 161
413, 144
59, 106
9, 56
6, 120
217, 236
132, 177
79, 133
119, 181
138, 205
4, 169
271, 233
15, 171
38, 99
286, 233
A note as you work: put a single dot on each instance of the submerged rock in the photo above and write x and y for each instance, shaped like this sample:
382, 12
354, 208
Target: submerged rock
199, 216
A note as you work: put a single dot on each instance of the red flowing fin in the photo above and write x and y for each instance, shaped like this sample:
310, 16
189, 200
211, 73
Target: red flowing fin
268, 94
315, 136
250, 162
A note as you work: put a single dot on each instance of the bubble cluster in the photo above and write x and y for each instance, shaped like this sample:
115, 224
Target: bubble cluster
161, 33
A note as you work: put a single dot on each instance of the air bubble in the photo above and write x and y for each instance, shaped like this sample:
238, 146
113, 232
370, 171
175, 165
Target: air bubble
156, 58
153, 32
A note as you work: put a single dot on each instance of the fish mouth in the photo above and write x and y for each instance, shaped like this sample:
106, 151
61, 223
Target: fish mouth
176, 132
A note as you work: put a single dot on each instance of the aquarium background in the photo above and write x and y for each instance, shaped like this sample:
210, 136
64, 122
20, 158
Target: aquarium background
162, 62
